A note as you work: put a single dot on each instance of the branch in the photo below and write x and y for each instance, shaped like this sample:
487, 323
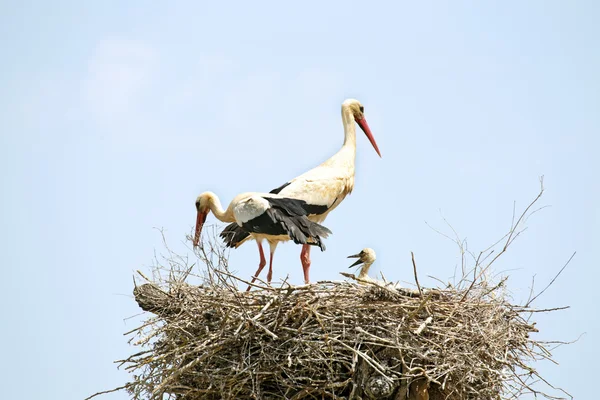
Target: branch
108, 391
415, 272
552, 281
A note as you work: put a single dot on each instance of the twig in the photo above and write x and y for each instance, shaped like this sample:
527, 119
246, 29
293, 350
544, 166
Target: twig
109, 391
423, 325
415, 272
552, 281
510, 237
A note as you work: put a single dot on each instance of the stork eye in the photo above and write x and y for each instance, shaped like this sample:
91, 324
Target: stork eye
197, 205
362, 109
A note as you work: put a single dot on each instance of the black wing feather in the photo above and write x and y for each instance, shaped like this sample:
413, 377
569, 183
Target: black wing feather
313, 209
280, 188
288, 217
294, 205
233, 235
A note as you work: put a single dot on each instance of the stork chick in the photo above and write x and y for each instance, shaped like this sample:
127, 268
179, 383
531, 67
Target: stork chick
367, 258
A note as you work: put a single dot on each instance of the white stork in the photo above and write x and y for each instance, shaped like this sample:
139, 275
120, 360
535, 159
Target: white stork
267, 216
367, 258
322, 188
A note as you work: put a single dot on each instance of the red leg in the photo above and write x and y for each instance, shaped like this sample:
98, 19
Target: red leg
261, 265
270, 273
305, 259
273, 246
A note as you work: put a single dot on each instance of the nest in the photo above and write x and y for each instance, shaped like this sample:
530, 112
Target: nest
338, 340
207, 339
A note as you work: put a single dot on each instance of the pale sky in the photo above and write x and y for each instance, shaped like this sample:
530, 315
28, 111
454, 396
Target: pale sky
114, 116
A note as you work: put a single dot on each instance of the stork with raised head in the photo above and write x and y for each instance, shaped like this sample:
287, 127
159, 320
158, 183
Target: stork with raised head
322, 188
367, 258
263, 216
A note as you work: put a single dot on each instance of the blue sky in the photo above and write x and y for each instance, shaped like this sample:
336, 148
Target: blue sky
114, 117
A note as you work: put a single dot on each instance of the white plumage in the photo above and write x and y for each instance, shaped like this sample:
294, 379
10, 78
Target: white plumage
323, 188
249, 206
263, 216
327, 185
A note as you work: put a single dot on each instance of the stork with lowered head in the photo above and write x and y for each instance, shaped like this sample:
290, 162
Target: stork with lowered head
263, 216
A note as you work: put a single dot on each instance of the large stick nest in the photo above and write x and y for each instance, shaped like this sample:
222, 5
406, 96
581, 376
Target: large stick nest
330, 340
339, 340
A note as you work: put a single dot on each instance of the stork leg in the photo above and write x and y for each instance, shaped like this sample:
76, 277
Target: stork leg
261, 264
273, 246
305, 259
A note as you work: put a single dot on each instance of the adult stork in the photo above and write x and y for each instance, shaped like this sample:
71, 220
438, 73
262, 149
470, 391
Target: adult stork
322, 188
263, 216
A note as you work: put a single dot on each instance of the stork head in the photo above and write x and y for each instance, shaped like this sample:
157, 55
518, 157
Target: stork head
202, 208
366, 256
358, 112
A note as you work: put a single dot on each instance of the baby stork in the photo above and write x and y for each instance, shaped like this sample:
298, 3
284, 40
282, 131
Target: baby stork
367, 258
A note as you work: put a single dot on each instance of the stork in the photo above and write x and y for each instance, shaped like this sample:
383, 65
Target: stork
322, 188
263, 216
367, 258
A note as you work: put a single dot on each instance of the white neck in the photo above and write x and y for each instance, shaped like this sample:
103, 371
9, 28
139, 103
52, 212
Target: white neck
215, 206
364, 271
349, 128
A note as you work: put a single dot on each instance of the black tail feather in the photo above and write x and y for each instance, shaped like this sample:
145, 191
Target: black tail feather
302, 230
233, 234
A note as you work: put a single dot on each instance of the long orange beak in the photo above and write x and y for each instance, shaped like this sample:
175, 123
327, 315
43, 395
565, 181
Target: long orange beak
365, 127
199, 223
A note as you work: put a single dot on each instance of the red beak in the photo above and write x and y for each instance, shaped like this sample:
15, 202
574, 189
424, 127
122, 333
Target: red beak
199, 223
365, 127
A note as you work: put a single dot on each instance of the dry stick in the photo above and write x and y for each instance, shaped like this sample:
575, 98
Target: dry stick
514, 227
552, 281
531, 290
511, 237
423, 303
144, 276
460, 244
386, 287
415, 271
108, 391
374, 364
423, 325
230, 275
